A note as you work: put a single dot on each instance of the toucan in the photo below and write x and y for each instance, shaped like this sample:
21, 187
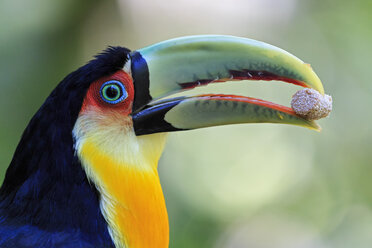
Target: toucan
84, 173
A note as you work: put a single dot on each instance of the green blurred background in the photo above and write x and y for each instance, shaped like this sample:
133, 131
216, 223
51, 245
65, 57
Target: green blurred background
255, 186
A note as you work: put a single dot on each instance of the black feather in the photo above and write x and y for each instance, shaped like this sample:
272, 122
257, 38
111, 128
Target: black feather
46, 199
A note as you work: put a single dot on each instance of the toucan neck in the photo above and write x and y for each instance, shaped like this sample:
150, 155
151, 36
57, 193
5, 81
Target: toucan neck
123, 167
131, 200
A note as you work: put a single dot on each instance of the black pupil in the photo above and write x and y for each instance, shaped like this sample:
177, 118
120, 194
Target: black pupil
112, 92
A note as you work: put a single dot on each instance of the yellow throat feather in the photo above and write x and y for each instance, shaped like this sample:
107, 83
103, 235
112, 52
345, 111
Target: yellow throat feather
123, 167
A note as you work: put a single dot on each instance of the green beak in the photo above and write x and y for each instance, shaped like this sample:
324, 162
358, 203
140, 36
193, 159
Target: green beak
179, 64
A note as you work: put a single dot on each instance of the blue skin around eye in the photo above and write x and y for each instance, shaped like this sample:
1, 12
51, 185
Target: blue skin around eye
121, 86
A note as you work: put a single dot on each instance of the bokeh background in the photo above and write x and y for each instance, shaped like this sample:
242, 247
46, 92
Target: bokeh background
256, 186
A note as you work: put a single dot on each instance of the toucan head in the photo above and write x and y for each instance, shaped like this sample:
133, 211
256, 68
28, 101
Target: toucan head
137, 95
141, 89
112, 115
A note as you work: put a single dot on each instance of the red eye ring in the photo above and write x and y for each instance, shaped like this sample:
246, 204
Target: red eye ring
94, 98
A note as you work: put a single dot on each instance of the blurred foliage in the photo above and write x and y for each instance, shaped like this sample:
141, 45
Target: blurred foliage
252, 186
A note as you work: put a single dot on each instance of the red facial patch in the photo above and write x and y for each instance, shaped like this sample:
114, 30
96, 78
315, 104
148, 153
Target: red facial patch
93, 98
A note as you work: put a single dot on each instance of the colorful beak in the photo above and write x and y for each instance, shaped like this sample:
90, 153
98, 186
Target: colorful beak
180, 64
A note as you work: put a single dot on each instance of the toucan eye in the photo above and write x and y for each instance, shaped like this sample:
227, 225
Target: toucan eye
113, 92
